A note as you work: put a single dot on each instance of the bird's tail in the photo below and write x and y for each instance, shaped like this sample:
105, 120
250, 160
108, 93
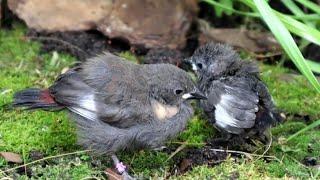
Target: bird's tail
35, 99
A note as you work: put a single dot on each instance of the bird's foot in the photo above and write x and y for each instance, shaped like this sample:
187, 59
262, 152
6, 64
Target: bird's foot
160, 148
121, 168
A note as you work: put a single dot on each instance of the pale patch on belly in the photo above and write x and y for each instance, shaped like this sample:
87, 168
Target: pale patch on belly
162, 111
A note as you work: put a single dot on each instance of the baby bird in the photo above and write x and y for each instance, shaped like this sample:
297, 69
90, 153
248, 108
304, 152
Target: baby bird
119, 105
238, 102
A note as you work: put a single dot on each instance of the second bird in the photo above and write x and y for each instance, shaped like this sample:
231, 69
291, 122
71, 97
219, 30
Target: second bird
238, 102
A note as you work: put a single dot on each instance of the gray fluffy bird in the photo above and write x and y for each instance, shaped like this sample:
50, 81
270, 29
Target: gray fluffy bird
119, 105
238, 102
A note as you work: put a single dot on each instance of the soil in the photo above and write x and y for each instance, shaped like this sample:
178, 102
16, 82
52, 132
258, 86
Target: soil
192, 157
313, 52
7, 17
189, 158
79, 44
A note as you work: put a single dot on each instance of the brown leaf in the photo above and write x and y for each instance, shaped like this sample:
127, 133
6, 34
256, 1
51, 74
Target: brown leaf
185, 165
11, 157
249, 40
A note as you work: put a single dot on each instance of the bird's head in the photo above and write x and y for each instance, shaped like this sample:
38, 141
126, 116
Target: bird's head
173, 86
213, 60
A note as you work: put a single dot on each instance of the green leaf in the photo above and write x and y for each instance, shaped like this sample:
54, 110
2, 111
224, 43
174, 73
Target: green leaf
314, 66
296, 10
220, 5
311, 5
311, 126
294, 26
300, 29
286, 41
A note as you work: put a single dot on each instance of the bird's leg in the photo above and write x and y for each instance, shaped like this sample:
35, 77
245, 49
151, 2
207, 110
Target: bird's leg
121, 168
161, 148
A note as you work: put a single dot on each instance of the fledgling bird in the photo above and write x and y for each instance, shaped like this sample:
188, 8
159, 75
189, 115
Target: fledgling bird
238, 102
119, 105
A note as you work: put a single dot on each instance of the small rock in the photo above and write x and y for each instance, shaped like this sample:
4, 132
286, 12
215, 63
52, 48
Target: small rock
310, 161
35, 155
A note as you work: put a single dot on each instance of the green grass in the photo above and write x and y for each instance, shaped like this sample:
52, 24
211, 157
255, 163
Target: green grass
53, 134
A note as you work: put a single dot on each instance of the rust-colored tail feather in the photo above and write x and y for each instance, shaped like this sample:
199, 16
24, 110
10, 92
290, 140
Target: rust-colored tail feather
35, 99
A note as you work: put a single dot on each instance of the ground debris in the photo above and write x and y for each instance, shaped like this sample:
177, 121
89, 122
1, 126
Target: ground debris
249, 40
192, 157
82, 45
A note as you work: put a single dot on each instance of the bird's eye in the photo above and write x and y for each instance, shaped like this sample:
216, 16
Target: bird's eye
178, 91
199, 65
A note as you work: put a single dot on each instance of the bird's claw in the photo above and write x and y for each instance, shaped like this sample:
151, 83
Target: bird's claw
121, 168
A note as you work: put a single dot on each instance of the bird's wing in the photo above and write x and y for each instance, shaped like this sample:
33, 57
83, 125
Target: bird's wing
235, 104
72, 92
99, 92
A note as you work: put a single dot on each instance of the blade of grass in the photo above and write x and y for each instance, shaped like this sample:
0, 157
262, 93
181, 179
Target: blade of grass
215, 3
314, 66
219, 11
311, 5
296, 10
300, 29
286, 41
310, 17
293, 25
311, 126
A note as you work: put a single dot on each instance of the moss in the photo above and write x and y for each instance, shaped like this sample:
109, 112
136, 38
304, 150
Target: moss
147, 163
230, 169
21, 67
197, 132
291, 92
129, 56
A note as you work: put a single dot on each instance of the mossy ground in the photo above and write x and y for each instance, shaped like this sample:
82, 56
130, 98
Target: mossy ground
22, 66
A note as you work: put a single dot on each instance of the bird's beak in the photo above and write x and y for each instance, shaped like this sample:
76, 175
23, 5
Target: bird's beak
189, 62
196, 94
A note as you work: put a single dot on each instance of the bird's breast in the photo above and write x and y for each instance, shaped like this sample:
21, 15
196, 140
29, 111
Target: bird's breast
163, 111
